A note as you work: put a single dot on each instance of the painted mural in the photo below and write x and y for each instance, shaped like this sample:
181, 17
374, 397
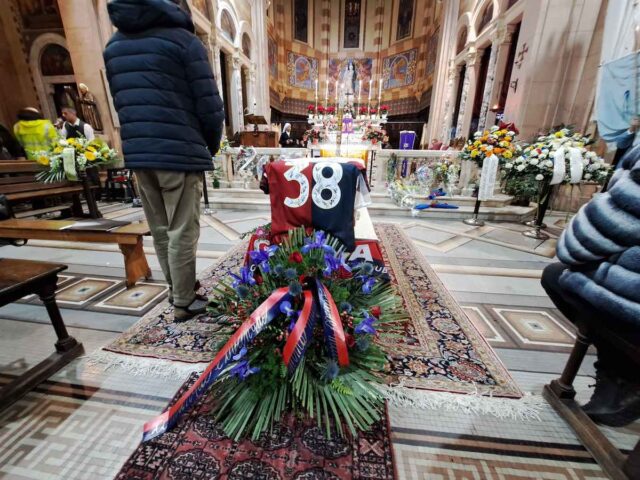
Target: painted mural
400, 69
203, 7
303, 70
432, 52
272, 54
350, 71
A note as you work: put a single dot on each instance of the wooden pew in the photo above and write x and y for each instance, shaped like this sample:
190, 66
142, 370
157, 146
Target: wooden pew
19, 278
128, 238
560, 394
19, 185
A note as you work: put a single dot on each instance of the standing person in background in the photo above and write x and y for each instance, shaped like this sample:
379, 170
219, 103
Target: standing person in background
34, 132
285, 138
72, 126
171, 116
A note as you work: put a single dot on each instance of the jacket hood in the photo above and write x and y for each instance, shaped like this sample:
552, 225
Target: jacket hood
132, 16
30, 125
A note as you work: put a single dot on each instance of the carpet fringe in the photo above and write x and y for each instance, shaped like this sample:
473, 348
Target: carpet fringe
528, 407
142, 366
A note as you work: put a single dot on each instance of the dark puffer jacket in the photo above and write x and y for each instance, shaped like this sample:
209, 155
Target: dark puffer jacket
601, 245
163, 88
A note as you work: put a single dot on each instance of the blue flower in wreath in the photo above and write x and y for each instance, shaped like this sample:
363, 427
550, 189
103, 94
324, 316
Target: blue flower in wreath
319, 241
367, 284
278, 270
261, 257
290, 273
346, 307
245, 278
333, 263
242, 369
362, 344
366, 325
331, 370
295, 289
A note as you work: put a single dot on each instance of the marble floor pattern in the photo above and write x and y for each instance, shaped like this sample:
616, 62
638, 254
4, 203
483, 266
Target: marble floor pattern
84, 422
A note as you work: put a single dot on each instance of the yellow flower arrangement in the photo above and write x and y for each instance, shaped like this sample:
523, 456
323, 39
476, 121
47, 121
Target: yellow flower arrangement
95, 152
498, 141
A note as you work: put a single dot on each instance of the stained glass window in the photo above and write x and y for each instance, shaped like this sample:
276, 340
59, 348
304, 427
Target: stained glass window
352, 10
301, 20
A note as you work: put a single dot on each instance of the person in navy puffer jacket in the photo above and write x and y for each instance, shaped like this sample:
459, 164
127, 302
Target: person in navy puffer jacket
599, 280
171, 119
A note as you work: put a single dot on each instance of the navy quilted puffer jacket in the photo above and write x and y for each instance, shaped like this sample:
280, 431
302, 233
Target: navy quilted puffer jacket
163, 88
601, 245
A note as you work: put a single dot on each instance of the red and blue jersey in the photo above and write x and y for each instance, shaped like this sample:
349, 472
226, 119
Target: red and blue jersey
318, 194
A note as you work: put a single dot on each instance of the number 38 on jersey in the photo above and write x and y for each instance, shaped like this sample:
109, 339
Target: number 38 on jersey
313, 194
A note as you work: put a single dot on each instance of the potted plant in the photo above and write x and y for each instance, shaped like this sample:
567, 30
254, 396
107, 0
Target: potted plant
331, 111
373, 112
311, 110
384, 111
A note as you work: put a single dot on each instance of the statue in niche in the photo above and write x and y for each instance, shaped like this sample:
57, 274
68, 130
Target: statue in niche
89, 108
349, 82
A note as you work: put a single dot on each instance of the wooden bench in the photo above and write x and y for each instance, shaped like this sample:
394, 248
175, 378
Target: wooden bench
560, 394
19, 278
128, 237
19, 185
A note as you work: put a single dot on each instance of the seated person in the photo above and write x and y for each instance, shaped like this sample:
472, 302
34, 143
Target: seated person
599, 280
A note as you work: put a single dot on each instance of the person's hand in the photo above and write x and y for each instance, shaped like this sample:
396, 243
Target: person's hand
59, 123
635, 123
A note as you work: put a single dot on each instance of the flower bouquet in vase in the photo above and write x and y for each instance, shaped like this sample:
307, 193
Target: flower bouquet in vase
489, 149
311, 110
68, 159
561, 157
362, 113
384, 111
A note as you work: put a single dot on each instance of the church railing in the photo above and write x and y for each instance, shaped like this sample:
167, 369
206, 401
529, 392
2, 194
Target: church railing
378, 168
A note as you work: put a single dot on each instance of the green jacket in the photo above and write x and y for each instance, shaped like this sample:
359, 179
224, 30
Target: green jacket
35, 136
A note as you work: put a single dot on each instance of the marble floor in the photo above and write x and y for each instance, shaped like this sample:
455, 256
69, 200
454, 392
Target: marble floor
84, 422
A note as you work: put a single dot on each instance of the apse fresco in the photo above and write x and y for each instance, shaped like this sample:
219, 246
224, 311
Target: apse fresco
303, 70
272, 52
339, 70
400, 69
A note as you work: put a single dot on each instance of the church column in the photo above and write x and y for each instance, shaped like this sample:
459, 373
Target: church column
501, 45
260, 83
440, 111
252, 102
235, 89
80, 23
468, 90
453, 75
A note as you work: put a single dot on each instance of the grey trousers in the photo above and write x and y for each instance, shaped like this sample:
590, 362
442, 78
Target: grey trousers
171, 202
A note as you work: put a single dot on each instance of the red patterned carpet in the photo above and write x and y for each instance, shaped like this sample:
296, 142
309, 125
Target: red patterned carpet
197, 449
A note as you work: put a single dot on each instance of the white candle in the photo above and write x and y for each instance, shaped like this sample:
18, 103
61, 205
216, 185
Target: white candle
359, 90
316, 94
326, 95
336, 93
379, 92
370, 90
